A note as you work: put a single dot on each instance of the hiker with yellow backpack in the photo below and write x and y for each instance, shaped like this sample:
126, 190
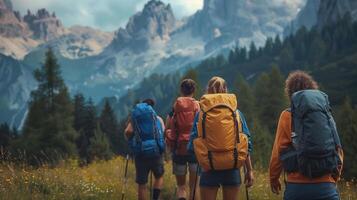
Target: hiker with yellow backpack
178, 129
307, 146
220, 140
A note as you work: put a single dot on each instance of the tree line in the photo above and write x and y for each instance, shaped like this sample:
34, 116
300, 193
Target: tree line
58, 127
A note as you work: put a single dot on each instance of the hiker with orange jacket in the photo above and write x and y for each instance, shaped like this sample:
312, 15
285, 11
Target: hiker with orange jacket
307, 146
220, 140
178, 129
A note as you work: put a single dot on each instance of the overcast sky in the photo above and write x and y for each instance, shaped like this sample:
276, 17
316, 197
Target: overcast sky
104, 14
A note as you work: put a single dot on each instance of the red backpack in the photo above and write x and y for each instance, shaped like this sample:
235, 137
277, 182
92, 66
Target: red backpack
181, 123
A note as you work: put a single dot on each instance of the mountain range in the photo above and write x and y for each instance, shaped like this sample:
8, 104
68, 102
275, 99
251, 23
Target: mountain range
101, 64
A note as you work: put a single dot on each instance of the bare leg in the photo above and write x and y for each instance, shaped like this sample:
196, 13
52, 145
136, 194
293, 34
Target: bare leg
181, 186
230, 192
158, 183
209, 193
192, 181
142, 192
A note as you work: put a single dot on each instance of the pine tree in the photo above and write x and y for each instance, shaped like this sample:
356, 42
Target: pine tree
269, 46
243, 55
79, 112
262, 143
277, 99
269, 92
277, 45
5, 135
99, 147
48, 130
109, 125
347, 128
88, 131
252, 51
246, 99
232, 57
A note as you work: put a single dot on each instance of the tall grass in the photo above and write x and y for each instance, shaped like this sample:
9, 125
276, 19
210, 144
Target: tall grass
104, 180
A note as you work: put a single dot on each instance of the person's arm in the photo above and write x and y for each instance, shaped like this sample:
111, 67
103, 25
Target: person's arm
337, 176
168, 120
162, 123
194, 135
282, 140
128, 130
246, 131
249, 176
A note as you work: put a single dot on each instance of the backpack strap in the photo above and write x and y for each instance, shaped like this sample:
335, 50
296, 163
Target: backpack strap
237, 131
137, 129
204, 116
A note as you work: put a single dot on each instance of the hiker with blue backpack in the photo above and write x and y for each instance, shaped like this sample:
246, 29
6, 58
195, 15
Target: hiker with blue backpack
220, 140
307, 145
145, 134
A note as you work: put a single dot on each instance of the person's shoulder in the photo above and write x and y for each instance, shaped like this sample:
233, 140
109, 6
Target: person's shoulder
285, 114
160, 118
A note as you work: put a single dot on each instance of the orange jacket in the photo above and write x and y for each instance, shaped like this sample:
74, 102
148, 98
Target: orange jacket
282, 141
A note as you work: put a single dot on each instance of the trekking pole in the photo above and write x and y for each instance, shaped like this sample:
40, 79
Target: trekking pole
151, 193
246, 188
194, 187
125, 180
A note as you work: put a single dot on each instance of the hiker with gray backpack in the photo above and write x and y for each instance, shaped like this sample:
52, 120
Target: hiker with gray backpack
145, 134
307, 145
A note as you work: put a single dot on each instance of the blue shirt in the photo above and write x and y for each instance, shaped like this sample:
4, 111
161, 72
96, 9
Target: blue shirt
194, 133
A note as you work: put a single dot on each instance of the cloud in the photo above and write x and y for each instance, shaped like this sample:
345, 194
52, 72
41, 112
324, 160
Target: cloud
104, 14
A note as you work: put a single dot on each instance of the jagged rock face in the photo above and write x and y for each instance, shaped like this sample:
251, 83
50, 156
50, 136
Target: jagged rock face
44, 25
6, 4
153, 24
226, 22
307, 17
10, 22
15, 88
81, 42
332, 10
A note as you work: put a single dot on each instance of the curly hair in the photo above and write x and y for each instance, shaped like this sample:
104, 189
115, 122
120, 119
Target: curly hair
188, 87
299, 80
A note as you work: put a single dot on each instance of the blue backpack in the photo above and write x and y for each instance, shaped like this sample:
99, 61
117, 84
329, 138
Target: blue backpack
148, 138
314, 136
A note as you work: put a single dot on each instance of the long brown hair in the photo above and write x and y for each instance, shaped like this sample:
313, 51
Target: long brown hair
216, 85
299, 80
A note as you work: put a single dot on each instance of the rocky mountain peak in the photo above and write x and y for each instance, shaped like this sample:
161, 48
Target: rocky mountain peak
153, 24
44, 25
230, 22
11, 22
6, 4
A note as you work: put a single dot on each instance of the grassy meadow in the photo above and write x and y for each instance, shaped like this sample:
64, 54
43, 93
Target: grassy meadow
104, 180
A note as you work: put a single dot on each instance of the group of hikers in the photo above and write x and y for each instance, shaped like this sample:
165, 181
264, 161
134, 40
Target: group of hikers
209, 139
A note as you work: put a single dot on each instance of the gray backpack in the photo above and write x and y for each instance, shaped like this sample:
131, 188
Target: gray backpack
314, 136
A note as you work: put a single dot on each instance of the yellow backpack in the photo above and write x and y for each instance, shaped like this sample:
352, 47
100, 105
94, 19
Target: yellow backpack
221, 143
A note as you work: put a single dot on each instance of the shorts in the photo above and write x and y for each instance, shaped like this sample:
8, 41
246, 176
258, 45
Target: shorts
219, 178
180, 164
144, 165
311, 191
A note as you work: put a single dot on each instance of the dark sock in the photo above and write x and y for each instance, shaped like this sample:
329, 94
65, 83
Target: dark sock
156, 194
182, 198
